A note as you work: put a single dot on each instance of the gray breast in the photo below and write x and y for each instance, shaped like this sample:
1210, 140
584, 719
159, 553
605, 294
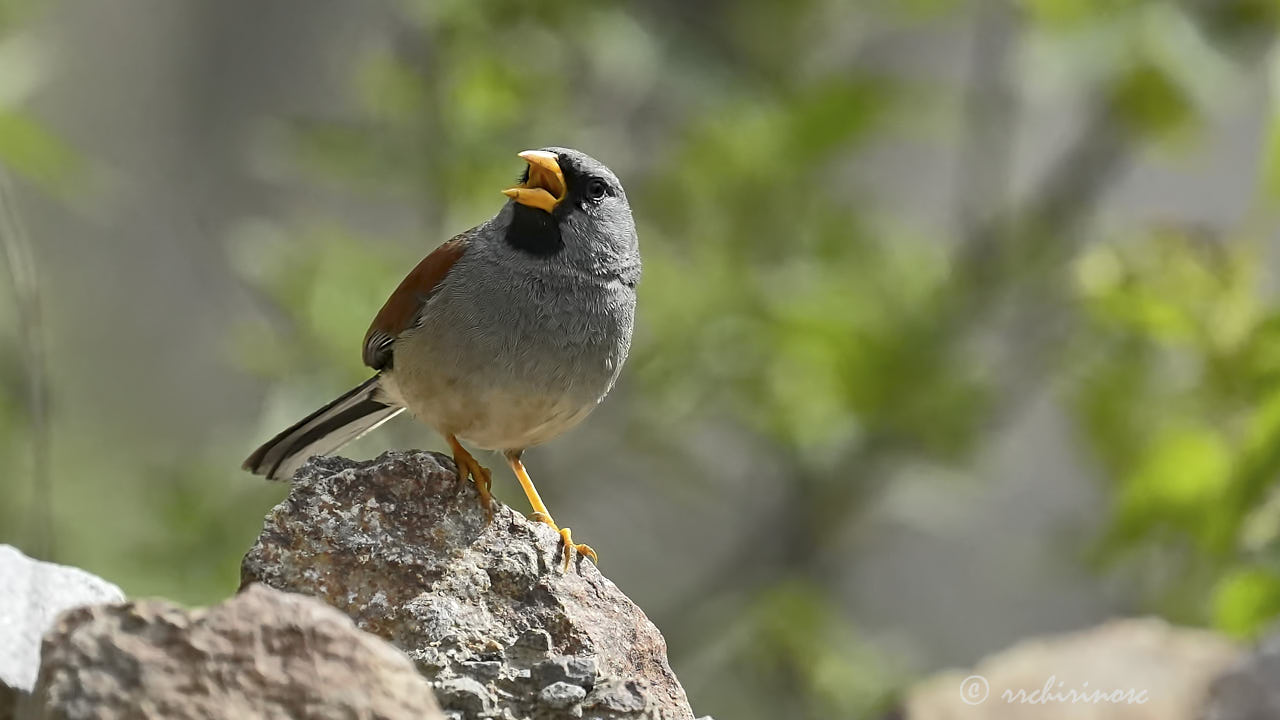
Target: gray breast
510, 353
556, 329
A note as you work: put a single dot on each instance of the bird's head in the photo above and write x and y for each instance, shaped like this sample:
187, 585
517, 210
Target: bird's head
567, 200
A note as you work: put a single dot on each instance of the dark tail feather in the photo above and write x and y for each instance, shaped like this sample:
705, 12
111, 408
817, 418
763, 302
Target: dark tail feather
322, 432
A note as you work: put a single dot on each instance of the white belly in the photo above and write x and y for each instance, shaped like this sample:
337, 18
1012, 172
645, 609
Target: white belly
490, 415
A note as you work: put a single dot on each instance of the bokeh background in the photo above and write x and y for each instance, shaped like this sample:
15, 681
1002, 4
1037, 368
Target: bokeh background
958, 323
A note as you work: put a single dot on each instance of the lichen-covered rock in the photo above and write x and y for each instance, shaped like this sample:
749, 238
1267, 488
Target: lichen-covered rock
483, 608
32, 594
262, 654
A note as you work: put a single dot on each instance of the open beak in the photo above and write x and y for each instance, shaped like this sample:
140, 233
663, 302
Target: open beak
545, 187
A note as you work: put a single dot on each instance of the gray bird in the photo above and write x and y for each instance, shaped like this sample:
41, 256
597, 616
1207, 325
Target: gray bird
503, 337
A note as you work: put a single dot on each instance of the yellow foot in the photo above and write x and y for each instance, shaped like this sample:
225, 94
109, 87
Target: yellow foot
468, 466
582, 548
567, 536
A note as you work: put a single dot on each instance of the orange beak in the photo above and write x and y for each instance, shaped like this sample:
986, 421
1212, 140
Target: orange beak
545, 187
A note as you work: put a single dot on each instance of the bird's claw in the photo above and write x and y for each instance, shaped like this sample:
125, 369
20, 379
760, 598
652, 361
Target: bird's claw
480, 475
566, 535
582, 548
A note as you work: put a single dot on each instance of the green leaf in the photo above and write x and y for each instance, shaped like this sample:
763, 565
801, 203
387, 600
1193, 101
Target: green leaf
34, 153
1185, 469
1245, 600
1151, 101
1270, 166
1072, 13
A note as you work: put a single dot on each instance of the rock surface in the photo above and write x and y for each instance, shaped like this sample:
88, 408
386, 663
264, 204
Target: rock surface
1249, 689
1173, 666
32, 594
262, 654
483, 608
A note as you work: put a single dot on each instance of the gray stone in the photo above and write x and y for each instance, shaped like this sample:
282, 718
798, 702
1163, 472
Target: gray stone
580, 671
534, 639
1250, 688
614, 698
406, 551
262, 654
484, 669
465, 695
32, 595
561, 695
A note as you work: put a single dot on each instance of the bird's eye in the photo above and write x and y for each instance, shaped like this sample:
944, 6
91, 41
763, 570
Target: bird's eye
597, 189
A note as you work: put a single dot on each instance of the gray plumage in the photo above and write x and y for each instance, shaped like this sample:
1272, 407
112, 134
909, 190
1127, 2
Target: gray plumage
522, 337
514, 348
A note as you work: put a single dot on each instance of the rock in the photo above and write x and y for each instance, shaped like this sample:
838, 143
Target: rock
562, 695
403, 548
9, 700
614, 698
1249, 689
262, 654
32, 594
563, 668
1161, 672
468, 696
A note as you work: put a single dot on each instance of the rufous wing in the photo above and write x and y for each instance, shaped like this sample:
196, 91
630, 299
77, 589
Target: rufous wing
400, 312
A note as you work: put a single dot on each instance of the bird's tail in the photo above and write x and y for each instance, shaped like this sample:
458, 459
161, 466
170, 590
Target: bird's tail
322, 432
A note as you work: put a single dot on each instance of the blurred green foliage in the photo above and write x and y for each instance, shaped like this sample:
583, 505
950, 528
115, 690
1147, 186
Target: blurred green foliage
28, 151
846, 339
1178, 392
776, 295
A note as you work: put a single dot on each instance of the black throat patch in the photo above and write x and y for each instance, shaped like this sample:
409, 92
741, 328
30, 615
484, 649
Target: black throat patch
534, 231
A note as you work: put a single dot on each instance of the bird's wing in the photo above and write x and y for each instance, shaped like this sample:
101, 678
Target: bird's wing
400, 312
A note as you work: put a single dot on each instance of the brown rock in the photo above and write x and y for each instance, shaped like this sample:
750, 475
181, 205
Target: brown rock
262, 654
484, 609
32, 595
9, 699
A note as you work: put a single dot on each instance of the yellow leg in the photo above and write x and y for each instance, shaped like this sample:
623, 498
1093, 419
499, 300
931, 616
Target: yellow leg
542, 514
469, 466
